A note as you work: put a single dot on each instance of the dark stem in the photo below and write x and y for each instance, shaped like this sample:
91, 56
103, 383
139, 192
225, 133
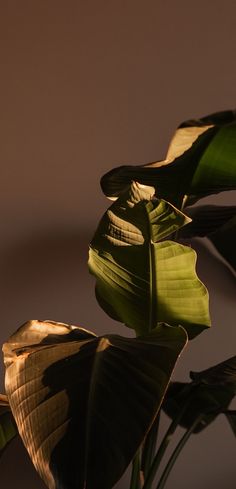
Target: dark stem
164, 444
176, 452
149, 446
135, 481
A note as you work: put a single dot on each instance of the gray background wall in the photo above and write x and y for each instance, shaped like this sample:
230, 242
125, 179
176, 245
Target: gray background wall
86, 86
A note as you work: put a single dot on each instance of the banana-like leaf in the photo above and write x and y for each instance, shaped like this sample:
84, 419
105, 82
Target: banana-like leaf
210, 394
201, 160
83, 404
8, 429
142, 278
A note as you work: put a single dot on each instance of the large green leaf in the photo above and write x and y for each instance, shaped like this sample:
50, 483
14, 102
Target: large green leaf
142, 278
8, 429
84, 404
201, 160
210, 394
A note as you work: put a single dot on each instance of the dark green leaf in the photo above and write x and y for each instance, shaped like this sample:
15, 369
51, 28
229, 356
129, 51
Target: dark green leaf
211, 392
223, 374
83, 404
8, 429
218, 224
206, 219
224, 241
199, 399
140, 279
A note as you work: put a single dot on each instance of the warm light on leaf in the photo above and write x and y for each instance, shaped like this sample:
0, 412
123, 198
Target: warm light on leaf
79, 400
142, 278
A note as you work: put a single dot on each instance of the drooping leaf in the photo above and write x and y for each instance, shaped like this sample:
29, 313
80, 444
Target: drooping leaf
8, 429
83, 404
142, 278
210, 394
201, 160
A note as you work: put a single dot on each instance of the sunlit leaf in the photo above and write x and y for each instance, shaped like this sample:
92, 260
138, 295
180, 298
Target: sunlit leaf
201, 160
142, 279
82, 403
8, 429
210, 394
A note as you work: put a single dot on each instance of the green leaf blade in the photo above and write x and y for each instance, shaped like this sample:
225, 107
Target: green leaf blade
143, 279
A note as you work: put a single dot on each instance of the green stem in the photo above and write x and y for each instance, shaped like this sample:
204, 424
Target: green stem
135, 481
176, 453
149, 446
163, 446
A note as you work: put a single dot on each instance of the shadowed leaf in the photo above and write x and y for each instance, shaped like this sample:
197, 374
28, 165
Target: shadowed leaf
211, 392
223, 373
224, 241
218, 224
142, 278
231, 417
8, 429
206, 219
80, 400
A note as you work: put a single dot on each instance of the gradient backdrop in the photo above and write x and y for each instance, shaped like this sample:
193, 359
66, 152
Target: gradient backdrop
85, 86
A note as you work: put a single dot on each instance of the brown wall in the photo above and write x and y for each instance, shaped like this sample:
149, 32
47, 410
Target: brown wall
87, 85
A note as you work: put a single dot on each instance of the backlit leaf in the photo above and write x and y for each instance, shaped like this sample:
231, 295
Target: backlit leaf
142, 278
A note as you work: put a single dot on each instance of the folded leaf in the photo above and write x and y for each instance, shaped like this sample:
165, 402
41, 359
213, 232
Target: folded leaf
8, 429
210, 393
142, 278
83, 404
201, 160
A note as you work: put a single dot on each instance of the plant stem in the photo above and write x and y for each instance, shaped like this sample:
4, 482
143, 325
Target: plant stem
163, 446
135, 481
149, 446
176, 453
